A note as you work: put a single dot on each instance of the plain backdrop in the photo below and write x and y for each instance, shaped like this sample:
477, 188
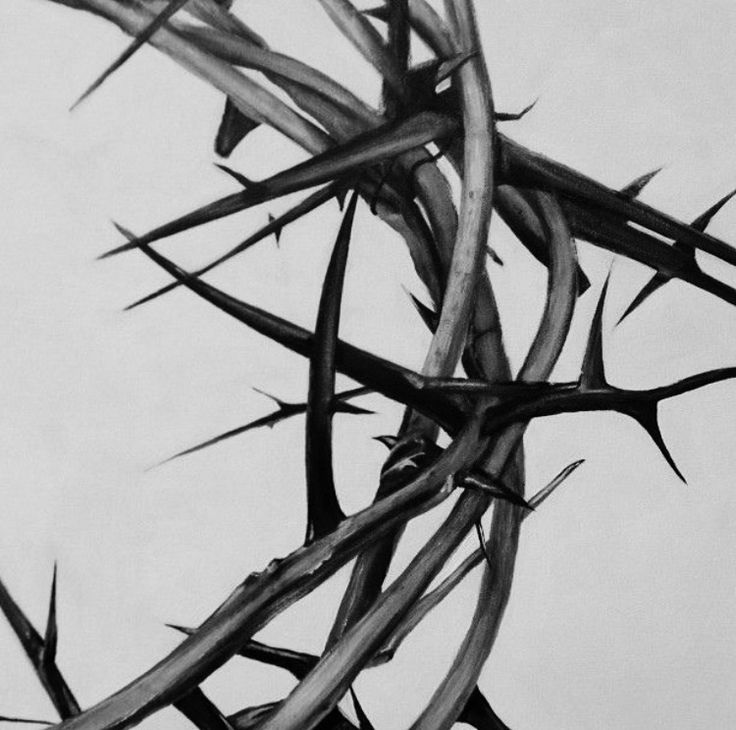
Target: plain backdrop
622, 612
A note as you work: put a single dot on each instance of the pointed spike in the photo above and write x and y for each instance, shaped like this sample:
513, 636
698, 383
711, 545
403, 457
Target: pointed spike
234, 127
648, 420
524, 167
635, 187
547, 491
267, 421
482, 540
285, 410
282, 404
450, 66
310, 203
138, 42
655, 283
702, 221
323, 508
181, 629
235, 175
388, 441
428, 315
494, 256
341, 407
479, 714
495, 488
52, 634
341, 196
372, 147
380, 375
4, 718
380, 13
593, 373
363, 722
277, 230
23, 628
658, 280
515, 116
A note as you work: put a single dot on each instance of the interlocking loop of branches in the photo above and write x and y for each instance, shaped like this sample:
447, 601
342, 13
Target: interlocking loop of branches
389, 158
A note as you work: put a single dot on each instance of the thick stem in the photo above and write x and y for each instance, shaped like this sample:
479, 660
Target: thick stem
452, 694
465, 265
264, 595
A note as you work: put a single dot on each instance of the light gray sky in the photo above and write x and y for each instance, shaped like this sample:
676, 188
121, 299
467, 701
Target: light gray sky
623, 602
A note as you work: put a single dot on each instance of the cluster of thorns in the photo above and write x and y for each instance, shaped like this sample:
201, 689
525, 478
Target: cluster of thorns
439, 110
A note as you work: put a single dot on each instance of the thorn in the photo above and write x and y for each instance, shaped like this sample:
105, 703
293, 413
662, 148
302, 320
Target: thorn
547, 491
282, 404
51, 636
24, 720
494, 487
388, 441
341, 196
181, 629
655, 283
379, 13
647, 419
451, 65
342, 407
514, 117
702, 221
593, 374
428, 315
240, 178
635, 187
482, 539
494, 256
277, 231
234, 127
363, 722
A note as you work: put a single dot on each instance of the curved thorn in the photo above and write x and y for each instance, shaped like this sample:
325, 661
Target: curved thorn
387, 440
234, 128
323, 508
647, 419
515, 116
235, 175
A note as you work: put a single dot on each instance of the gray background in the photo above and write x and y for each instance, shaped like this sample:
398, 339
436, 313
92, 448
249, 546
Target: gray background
622, 608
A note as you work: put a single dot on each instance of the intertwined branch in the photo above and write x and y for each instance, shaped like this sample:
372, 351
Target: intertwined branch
389, 158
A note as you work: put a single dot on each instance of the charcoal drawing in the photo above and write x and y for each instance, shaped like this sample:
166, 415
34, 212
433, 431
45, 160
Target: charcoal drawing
472, 342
